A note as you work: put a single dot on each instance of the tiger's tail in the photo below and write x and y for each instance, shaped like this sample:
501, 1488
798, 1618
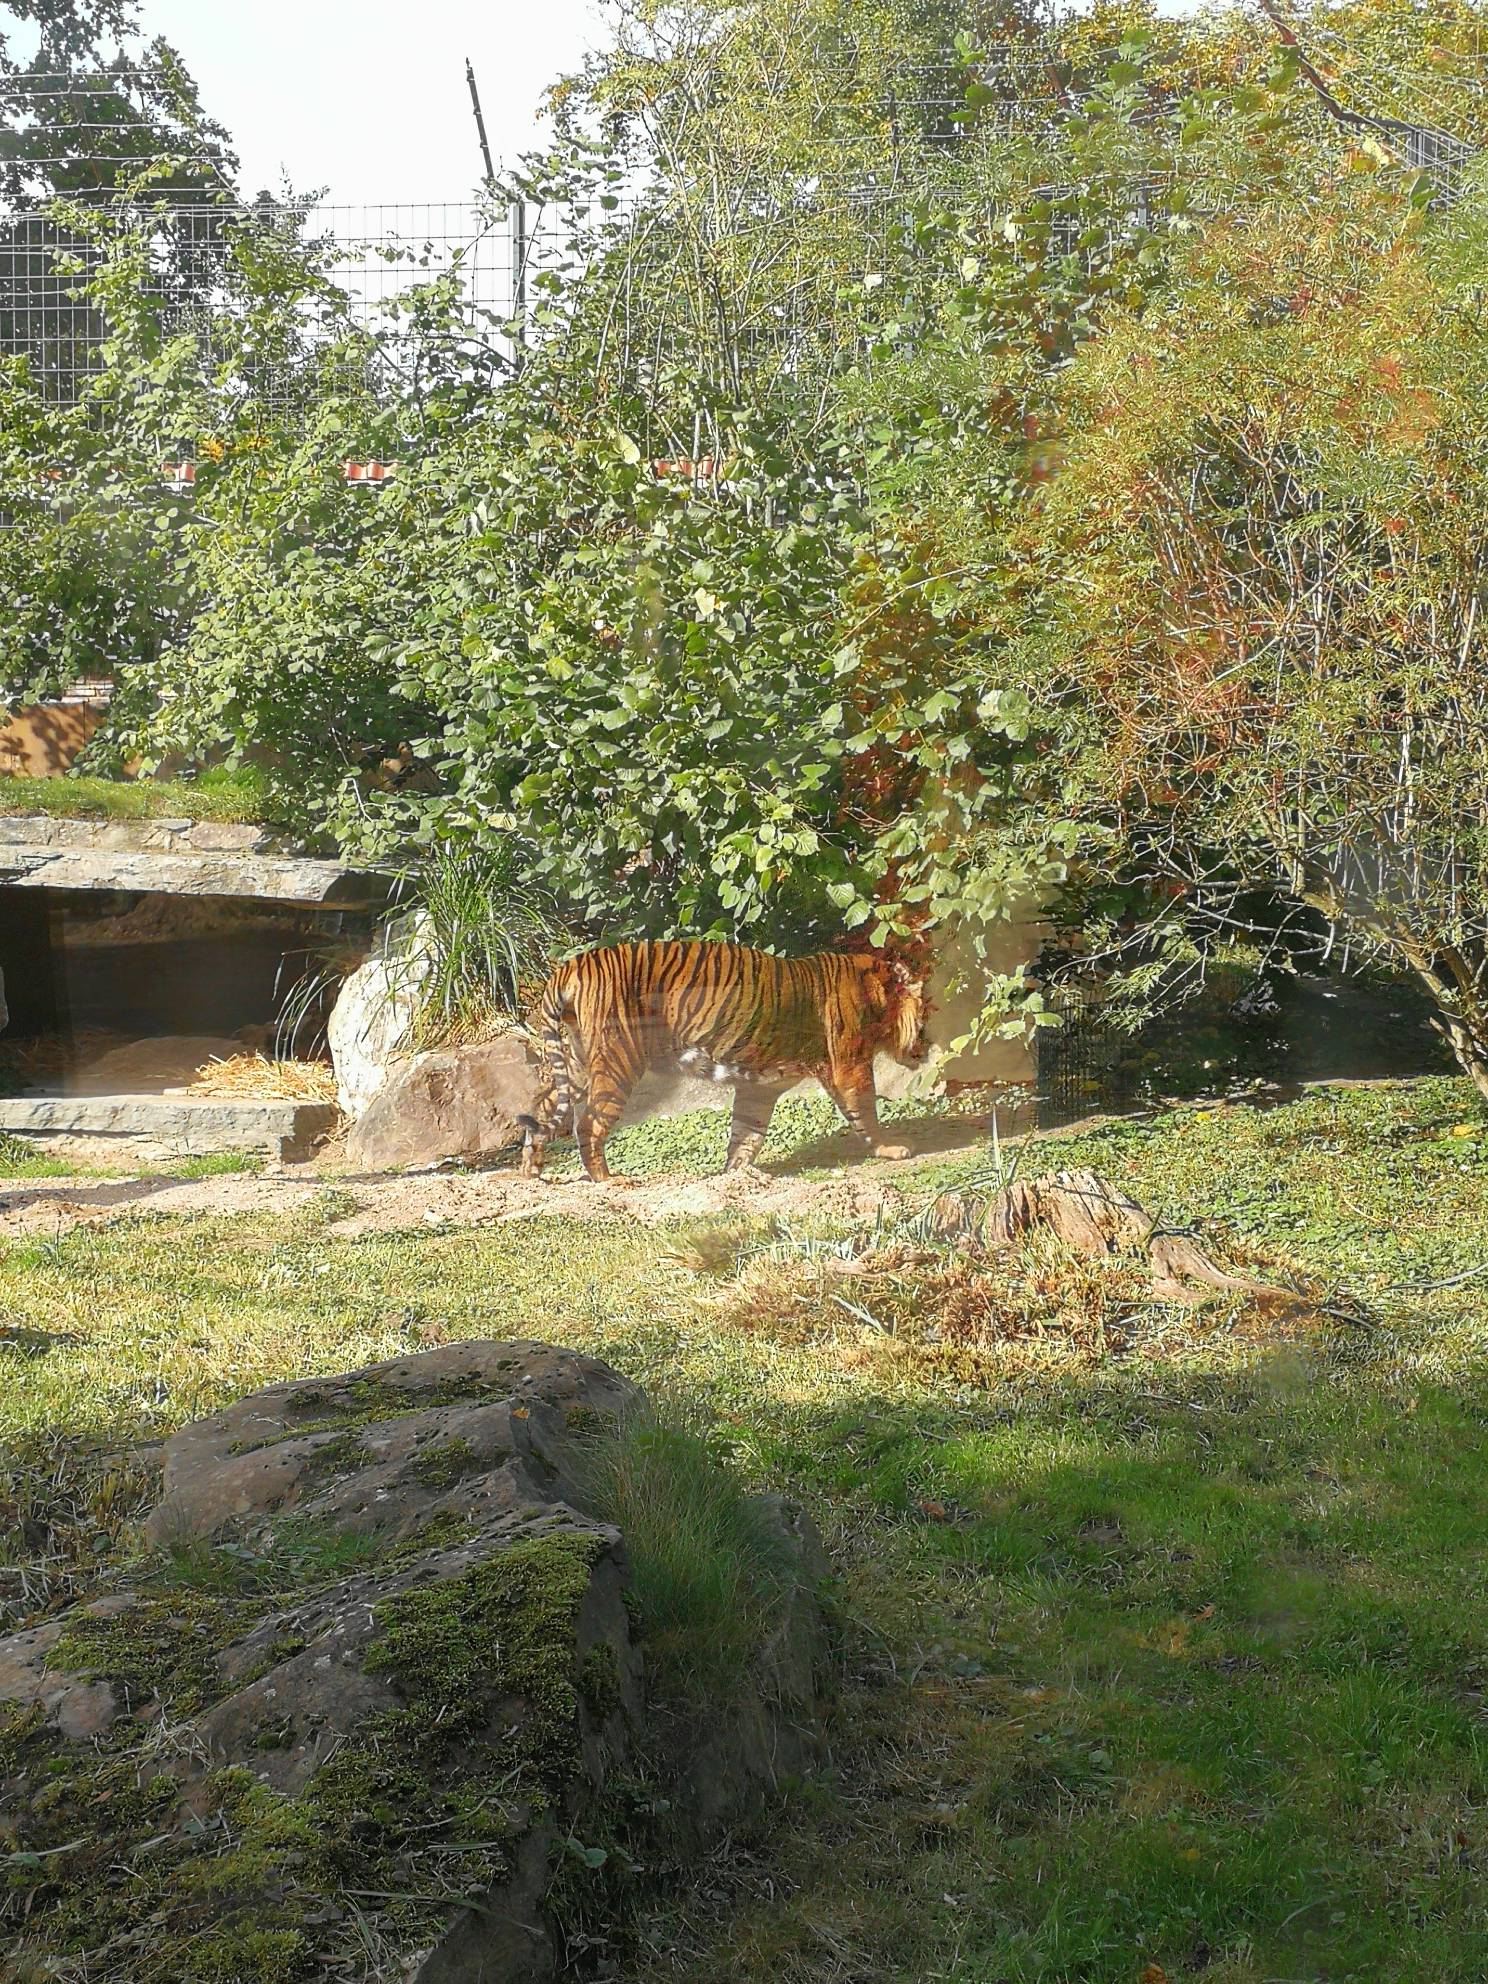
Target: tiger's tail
554, 1109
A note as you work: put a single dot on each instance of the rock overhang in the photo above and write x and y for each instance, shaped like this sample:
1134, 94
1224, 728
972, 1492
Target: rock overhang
178, 857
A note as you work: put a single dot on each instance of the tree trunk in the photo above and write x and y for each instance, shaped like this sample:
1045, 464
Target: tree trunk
1468, 1049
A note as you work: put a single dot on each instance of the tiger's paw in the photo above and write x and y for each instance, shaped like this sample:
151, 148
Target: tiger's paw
894, 1152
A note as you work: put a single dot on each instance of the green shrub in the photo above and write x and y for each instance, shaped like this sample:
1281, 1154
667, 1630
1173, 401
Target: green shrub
492, 939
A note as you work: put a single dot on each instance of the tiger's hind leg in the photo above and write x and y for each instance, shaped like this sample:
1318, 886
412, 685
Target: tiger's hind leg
614, 1072
550, 1116
552, 1113
754, 1105
534, 1146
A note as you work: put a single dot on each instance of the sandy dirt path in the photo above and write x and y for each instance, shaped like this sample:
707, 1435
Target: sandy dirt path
42, 1207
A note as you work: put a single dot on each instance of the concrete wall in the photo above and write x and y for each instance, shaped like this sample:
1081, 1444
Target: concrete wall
46, 739
1013, 946
999, 1062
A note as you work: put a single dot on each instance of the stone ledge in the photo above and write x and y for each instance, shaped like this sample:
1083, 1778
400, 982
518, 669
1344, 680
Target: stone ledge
189, 1125
37, 830
260, 878
174, 857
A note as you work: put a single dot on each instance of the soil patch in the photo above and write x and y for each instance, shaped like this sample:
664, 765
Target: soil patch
400, 1203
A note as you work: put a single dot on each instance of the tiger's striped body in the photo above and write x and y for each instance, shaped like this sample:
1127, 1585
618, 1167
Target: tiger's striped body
741, 1016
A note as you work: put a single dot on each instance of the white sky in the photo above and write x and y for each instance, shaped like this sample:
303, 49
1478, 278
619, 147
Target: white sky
368, 97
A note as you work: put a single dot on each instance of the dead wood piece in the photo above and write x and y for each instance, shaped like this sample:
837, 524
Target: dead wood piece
1183, 1272
1085, 1210
1095, 1218
956, 1218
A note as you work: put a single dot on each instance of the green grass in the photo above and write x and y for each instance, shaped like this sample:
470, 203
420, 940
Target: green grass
709, 1569
214, 1164
19, 1160
1168, 1659
807, 1134
213, 795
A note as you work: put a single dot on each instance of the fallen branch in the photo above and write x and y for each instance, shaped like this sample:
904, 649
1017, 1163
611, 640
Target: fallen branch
1096, 1218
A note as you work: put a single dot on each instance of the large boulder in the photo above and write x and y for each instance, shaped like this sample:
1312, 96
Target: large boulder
451, 1102
378, 1687
371, 1023
476, 1429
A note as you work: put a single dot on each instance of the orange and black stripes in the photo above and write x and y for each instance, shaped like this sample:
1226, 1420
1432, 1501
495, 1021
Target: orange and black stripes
723, 1010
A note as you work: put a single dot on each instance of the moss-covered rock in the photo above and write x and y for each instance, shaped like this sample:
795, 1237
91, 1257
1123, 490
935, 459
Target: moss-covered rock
417, 1728
442, 1463
206, 1775
473, 1426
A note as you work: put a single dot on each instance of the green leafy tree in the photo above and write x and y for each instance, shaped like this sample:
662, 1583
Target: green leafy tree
96, 556
529, 627
1255, 649
93, 116
532, 627
740, 695
825, 668
90, 107
92, 124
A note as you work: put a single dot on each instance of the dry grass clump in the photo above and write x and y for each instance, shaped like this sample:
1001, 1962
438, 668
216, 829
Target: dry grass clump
471, 1024
1037, 1304
255, 1078
62, 1510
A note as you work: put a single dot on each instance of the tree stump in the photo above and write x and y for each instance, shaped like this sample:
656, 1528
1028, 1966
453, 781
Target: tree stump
1095, 1218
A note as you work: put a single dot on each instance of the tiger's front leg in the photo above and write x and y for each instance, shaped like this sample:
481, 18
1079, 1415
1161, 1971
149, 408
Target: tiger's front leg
593, 1135
852, 1090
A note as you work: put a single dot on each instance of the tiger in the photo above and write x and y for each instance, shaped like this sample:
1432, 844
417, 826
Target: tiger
724, 1012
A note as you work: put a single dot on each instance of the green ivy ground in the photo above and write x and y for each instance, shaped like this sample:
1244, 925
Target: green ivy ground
1167, 1666
215, 795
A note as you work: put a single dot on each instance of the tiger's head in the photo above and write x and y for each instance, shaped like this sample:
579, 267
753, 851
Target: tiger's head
900, 999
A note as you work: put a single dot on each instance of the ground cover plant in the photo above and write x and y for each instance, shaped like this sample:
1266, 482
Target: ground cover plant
1162, 1657
236, 796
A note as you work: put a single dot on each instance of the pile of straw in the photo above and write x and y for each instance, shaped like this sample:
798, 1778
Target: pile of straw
255, 1078
53, 1055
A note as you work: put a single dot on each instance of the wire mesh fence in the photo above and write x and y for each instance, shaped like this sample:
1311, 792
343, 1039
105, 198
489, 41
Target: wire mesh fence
1232, 1032
1244, 1032
375, 259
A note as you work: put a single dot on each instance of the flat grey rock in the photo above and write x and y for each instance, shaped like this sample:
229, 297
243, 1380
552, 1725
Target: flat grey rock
173, 857
188, 1123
